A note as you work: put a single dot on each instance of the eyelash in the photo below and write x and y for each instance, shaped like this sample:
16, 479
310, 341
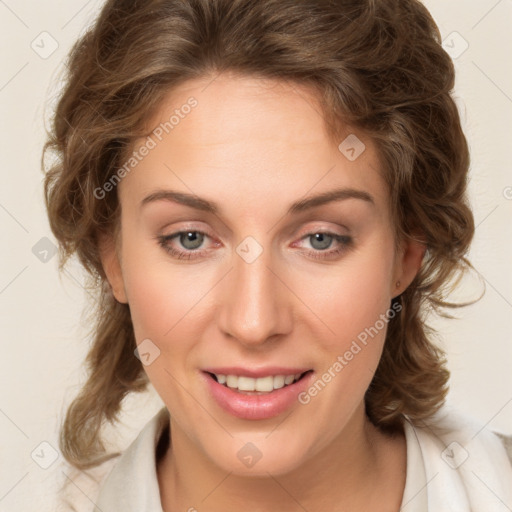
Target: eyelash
344, 240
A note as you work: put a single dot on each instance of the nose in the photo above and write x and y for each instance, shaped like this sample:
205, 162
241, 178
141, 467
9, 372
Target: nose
255, 302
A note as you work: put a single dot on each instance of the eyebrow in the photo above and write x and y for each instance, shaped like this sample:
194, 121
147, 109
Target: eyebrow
202, 204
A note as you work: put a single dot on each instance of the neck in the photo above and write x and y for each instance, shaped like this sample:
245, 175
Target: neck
360, 468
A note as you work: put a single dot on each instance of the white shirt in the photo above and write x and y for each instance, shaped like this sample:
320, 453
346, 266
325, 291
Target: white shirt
449, 468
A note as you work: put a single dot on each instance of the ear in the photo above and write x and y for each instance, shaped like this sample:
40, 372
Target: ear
112, 267
408, 263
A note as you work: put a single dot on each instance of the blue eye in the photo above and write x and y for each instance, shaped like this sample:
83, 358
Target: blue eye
322, 240
191, 241
188, 239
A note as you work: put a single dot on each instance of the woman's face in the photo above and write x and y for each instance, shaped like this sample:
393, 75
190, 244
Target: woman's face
253, 286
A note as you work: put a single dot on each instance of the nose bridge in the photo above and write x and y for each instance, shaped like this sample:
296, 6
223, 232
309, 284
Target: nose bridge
253, 305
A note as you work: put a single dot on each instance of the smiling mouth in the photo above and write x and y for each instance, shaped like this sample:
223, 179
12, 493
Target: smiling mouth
257, 386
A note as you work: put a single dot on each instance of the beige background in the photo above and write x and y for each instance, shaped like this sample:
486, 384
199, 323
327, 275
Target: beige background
43, 341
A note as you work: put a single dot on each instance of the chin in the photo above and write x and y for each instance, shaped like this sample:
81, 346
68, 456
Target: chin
259, 458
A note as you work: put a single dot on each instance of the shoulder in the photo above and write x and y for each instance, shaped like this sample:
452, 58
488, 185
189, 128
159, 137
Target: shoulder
465, 457
450, 425
80, 488
466, 463
112, 485
450, 417
132, 485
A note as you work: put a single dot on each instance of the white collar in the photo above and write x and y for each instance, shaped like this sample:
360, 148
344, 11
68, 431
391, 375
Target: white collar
132, 485
414, 498
467, 467
434, 475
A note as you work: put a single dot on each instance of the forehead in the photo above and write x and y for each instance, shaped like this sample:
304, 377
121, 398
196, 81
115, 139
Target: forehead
245, 138
245, 109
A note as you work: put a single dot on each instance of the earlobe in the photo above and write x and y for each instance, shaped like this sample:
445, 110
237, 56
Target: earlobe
112, 267
408, 264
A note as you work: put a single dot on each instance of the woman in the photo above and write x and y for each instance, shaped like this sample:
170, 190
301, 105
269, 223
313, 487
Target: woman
269, 196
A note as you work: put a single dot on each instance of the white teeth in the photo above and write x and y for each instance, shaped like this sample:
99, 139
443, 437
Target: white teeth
265, 384
279, 381
232, 381
289, 379
246, 384
261, 384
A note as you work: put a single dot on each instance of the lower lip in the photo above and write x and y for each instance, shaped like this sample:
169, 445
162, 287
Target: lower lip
256, 407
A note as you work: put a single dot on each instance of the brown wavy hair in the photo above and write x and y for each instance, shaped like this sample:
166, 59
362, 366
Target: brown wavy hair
377, 65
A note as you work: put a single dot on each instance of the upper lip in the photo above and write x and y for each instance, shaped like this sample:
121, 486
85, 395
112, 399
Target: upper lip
255, 372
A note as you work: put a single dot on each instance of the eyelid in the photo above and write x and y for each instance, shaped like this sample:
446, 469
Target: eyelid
343, 243
323, 229
168, 232
309, 231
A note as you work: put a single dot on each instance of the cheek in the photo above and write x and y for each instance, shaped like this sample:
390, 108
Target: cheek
352, 297
161, 294
357, 309
355, 306
162, 307
159, 304
153, 302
